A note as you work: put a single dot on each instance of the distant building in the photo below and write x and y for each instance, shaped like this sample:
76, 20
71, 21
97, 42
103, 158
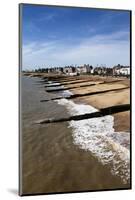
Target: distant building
104, 71
118, 70
125, 71
121, 70
81, 69
70, 70
89, 69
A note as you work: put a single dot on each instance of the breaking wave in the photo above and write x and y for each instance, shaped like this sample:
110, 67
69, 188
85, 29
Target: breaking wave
98, 136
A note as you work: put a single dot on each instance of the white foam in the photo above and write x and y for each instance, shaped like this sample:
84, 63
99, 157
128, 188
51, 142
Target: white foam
51, 83
66, 93
97, 135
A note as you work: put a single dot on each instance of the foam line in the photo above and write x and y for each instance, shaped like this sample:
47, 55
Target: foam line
98, 136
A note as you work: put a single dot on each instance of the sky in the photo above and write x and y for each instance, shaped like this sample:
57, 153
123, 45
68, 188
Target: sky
59, 36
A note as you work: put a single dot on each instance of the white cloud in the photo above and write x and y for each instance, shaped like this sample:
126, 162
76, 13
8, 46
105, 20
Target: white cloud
46, 17
100, 49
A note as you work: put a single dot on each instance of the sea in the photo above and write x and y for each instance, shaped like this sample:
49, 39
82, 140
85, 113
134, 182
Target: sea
74, 156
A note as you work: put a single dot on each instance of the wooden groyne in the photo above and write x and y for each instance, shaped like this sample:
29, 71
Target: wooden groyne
81, 81
46, 80
56, 81
75, 82
86, 94
68, 88
63, 78
102, 112
79, 86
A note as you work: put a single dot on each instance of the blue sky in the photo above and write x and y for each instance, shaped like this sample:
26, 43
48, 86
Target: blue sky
58, 36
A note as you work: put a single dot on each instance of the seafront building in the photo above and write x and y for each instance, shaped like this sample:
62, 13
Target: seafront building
118, 70
121, 70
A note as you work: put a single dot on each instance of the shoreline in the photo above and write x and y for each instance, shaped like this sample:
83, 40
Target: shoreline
99, 137
75, 136
98, 101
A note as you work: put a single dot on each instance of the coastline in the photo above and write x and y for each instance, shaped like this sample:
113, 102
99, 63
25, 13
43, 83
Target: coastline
103, 134
121, 120
98, 101
115, 128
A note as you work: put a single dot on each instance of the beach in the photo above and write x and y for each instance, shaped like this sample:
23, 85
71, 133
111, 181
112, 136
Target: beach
84, 155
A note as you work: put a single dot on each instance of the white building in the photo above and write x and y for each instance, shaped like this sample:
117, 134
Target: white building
123, 71
81, 69
67, 70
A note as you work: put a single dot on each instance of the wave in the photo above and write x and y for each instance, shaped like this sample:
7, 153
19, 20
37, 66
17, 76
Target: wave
66, 93
98, 136
55, 84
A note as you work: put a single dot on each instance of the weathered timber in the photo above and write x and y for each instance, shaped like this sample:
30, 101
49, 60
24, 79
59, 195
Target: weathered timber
80, 81
70, 82
102, 112
97, 92
108, 82
63, 78
44, 80
69, 88
85, 94
79, 86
